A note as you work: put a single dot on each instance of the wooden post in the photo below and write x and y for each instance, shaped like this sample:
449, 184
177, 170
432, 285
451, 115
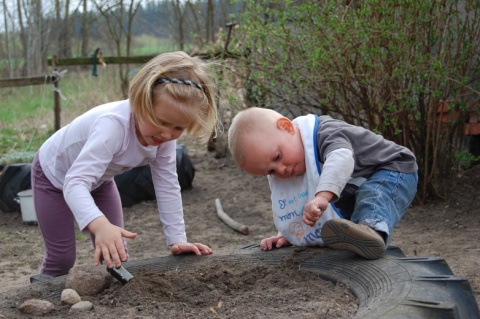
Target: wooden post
56, 101
56, 94
229, 34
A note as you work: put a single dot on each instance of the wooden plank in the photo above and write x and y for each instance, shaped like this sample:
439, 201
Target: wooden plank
48, 79
141, 59
106, 59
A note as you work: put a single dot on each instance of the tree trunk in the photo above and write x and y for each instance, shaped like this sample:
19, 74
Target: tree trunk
7, 40
197, 23
116, 18
38, 38
85, 29
210, 22
178, 25
23, 38
58, 34
67, 31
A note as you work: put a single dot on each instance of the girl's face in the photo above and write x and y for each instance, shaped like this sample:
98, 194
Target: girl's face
173, 123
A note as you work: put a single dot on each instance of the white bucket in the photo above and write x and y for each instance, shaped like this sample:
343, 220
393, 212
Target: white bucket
25, 198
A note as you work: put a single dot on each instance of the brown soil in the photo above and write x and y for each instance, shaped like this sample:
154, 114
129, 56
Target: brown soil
449, 229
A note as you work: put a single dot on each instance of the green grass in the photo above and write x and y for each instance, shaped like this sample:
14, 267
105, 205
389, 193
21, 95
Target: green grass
24, 101
18, 157
148, 45
7, 252
27, 117
27, 113
81, 236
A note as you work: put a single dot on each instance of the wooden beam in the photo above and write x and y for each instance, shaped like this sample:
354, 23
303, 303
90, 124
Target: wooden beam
134, 59
107, 60
48, 79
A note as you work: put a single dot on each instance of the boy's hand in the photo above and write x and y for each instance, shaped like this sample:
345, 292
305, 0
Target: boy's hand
108, 242
273, 242
197, 248
314, 210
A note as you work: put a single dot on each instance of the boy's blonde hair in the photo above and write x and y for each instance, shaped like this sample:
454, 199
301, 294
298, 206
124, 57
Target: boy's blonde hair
245, 125
196, 102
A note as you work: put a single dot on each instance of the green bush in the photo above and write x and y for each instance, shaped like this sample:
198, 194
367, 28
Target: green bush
383, 64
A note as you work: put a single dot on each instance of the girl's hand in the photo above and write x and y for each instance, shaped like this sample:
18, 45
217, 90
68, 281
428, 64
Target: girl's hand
314, 210
109, 242
197, 248
273, 242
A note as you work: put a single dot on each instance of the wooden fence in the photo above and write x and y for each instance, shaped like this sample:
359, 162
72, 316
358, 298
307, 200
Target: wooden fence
38, 80
54, 78
98, 58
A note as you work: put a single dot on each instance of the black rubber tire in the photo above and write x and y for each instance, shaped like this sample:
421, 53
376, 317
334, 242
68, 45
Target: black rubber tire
391, 287
394, 286
14, 178
136, 185
185, 168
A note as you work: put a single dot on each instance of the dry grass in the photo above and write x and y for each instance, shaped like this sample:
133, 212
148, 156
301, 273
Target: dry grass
30, 118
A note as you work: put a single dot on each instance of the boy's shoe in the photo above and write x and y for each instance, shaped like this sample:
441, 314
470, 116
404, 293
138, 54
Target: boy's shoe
360, 239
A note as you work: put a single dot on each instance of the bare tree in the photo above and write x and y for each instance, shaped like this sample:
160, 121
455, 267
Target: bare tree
206, 19
34, 36
196, 16
210, 22
23, 33
196, 13
120, 28
60, 25
85, 29
6, 19
178, 22
30, 23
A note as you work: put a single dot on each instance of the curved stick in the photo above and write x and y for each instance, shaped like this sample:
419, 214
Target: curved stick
229, 221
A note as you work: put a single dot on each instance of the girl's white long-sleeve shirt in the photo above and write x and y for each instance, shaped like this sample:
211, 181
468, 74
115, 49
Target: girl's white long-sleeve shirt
97, 146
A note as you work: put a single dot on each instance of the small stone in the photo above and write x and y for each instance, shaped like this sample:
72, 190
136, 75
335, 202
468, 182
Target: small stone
36, 307
81, 306
70, 297
88, 280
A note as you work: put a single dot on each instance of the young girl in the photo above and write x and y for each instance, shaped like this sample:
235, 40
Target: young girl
73, 172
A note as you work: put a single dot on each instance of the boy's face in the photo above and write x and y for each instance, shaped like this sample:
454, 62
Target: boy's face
275, 149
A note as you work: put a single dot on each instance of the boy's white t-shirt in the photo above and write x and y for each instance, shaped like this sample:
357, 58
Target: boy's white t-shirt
101, 144
289, 196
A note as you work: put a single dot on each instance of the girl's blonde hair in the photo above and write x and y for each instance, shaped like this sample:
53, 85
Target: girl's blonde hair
197, 103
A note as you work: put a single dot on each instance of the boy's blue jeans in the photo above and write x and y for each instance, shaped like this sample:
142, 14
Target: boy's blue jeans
383, 199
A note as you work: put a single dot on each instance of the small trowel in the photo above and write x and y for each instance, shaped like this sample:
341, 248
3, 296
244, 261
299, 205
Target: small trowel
121, 274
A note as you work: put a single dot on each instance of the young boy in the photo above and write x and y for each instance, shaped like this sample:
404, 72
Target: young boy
315, 161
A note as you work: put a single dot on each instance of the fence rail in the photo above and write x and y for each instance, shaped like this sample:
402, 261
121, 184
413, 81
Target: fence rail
38, 80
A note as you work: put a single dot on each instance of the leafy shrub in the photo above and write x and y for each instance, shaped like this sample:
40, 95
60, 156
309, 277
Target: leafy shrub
387, 65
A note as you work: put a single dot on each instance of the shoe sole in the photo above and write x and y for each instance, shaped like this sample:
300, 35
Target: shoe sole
339, 234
